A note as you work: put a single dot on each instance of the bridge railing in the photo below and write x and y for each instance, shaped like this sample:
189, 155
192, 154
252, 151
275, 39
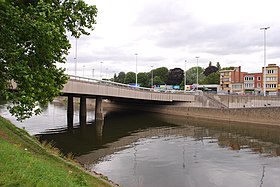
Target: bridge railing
105, 82
110, 83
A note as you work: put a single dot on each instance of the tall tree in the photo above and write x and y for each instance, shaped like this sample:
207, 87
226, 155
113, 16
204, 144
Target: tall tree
175, 76
33, 35
162, 72
209, 70
213, 78
130, 78
218, 66
143, 79
120, 78
192, 75
158, 81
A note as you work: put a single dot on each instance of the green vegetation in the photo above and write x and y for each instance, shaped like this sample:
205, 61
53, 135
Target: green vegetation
24, 162
209, 75
34, 39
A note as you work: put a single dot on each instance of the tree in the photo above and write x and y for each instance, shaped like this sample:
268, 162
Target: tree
175, 76
120, 78
143, 79
213, 78
158, 81
33, 35
218, 66
162, 72
192, 74
209, 70
130, 78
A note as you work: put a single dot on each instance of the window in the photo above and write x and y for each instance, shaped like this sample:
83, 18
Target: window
226, 73
259, 78
249, 78
259, 85
271, 71
249, 85
271, 78
237, 87
271, 86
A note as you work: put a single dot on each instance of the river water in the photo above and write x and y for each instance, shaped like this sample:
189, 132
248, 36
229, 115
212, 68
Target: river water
140, 149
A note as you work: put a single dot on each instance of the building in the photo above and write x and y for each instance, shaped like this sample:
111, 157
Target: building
253, 83
231, 81
272, 79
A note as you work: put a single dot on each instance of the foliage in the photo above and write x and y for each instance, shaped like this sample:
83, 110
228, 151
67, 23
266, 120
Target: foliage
209, 70
130, 77
192, 75
218, 66
158, 81
33, 39
162, 72
213, 78
143, 79
120, 78
228, 68
175, 76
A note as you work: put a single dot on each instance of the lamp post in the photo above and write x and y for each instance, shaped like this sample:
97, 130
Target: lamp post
136, 68
76, 56
84, 70
197, 69
264, 60
185, 76
152, 81
92, 72
101, 70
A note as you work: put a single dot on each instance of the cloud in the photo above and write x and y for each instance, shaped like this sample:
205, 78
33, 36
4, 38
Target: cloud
166, 33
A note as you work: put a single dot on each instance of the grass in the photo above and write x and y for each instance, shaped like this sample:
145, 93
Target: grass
25, 162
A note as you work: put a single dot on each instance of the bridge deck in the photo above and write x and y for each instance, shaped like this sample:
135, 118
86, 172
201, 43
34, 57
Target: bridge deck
91, 87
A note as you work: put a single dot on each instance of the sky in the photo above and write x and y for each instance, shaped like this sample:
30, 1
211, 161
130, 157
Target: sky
172, 33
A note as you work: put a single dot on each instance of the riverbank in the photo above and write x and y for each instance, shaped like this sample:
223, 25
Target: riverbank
25, 162
265, 116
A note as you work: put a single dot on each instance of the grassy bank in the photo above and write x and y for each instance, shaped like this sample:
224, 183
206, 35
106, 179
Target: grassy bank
25, 162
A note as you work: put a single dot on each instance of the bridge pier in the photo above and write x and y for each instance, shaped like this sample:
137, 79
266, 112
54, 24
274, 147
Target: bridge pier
83, 110
99, 129
99, 109
70, 112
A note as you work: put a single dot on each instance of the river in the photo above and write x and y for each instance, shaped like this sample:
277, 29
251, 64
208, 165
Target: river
140, 149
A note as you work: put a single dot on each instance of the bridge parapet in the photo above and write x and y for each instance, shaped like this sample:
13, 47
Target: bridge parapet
93, 87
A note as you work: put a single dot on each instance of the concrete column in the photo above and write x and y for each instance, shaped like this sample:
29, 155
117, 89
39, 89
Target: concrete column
83, 111
99, 130
70, 112
99, 109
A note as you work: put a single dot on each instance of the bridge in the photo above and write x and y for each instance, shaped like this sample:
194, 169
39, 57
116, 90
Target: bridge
99, 89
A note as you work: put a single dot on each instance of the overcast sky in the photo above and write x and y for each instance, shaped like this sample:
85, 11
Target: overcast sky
168, 32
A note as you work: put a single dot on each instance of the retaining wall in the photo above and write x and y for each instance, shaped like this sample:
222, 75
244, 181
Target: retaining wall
269, 115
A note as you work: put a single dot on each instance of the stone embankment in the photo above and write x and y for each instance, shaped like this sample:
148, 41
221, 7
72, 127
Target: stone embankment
269, 115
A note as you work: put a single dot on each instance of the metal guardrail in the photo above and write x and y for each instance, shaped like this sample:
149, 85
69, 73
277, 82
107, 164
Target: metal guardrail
105, 82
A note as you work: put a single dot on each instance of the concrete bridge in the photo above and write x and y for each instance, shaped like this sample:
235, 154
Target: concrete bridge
91, 88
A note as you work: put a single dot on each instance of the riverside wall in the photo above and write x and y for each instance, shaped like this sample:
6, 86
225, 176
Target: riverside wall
270, 115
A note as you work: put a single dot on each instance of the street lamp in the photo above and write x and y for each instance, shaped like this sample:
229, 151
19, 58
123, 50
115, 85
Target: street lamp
185, 76
101, 70
264, 59
152, 81
136, 67
197, 69
84, 70
76, 56
92, 72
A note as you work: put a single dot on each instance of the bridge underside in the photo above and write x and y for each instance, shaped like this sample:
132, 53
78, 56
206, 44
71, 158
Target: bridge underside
129, 103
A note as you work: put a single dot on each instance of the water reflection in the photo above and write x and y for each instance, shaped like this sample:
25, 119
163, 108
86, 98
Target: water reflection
139, 149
